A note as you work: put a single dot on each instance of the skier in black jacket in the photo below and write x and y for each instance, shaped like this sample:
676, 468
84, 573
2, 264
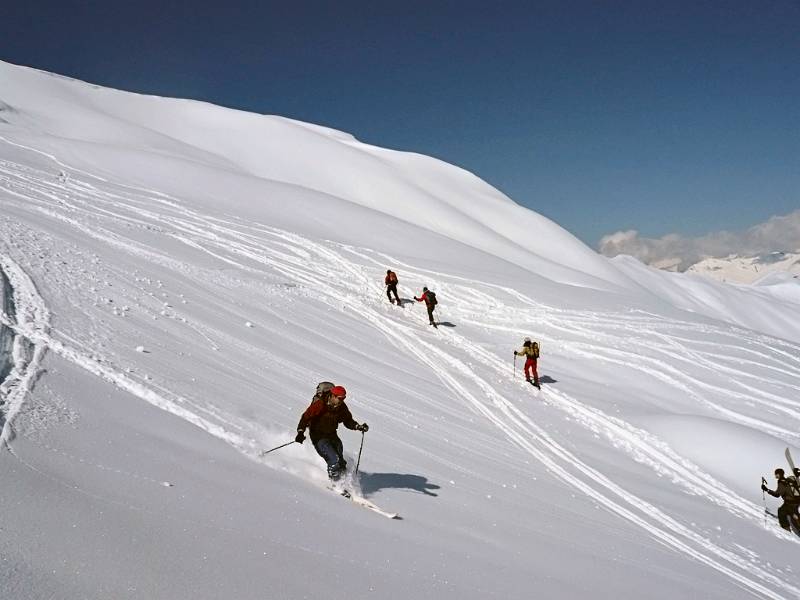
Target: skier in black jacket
787, 489
322, 418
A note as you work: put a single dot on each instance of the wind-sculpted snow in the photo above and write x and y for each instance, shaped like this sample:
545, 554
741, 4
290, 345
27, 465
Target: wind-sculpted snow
136, 285
6, 334
30, 319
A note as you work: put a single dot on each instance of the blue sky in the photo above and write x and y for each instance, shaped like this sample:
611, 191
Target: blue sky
665, 117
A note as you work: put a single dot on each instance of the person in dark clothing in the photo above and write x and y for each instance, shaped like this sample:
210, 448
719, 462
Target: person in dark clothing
322, 418
429, 298
787, 490
391, 286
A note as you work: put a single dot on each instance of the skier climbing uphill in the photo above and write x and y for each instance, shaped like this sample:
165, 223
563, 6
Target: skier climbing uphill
391, 286
530, 350
322, 418
429, 298
788, 490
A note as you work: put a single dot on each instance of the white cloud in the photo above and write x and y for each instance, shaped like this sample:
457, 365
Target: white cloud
777, 233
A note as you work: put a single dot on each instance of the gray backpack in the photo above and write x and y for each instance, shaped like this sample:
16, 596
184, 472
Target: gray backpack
323, 389
794, 487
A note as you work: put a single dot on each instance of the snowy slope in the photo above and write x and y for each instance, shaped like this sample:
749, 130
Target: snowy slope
170, 225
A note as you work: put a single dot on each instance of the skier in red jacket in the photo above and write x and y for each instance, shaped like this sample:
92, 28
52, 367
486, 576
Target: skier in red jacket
429, 298
322, 418
391, 286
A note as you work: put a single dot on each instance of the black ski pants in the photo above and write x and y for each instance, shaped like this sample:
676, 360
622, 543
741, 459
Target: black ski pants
788, 511
392, 289
431, 308
331, 449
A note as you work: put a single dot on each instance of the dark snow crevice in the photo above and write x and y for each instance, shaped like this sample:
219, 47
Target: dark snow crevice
7, 336
7, 109
23, 316
6, 333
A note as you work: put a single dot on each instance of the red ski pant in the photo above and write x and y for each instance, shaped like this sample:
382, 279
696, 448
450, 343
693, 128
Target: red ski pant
530, 365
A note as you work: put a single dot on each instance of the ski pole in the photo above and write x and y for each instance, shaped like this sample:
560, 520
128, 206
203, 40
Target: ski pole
277, 448
358, 462
764, 497
515, 365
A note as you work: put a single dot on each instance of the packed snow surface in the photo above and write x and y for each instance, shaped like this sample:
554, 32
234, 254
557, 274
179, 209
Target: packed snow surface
182, 276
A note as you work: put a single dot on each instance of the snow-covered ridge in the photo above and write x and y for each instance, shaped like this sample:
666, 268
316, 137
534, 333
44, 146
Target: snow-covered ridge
217, 265
230, 160
750, 269
405, 186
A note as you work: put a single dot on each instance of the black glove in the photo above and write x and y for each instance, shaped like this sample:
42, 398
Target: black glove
764, 488
300, 437
515, 352
363, 427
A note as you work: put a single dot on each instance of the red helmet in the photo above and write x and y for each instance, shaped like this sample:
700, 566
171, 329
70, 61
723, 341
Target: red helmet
338, 391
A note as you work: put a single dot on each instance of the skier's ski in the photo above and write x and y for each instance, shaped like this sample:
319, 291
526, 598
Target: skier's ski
538, 387
788, 455
373, 507
794, 471
361, 501
789, 460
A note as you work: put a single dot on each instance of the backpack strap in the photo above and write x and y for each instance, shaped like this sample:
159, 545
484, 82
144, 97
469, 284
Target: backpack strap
794, 486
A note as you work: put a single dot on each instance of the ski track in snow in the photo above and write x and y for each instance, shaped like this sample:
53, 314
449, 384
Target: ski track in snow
648, 343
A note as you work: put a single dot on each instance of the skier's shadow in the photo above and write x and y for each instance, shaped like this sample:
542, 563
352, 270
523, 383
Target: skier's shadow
373, 482
404, 301
446, 324
547, 379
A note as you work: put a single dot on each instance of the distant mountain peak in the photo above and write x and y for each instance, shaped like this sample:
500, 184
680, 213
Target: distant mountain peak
748, 269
